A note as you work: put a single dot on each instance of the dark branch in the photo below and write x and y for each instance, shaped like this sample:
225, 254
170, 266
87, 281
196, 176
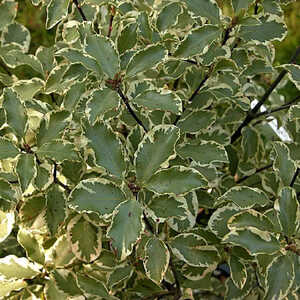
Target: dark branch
257, 171
57, 181
53, 99
80, 10
252, 113
111, 19
193, 95
282, 107
125, 100
295, 177
3, 66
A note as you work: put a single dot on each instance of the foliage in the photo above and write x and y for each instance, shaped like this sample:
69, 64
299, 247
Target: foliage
136, 160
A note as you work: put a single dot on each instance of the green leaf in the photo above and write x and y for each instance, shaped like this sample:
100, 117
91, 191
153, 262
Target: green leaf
155, 100
168, 16
91, 286
96, 195
7, 192
250, 218
55, 82
7, 149
55, 209
183, 180
192, 208
294, 74
31, 209
8, 12
26, 89
196, 121
73, 96
16, 58
52, 293
245, 197
52, 130
193, 250
77, 56
288, 210
232, 292
280, 278
258, 66
56, 11
58, 151
268, 31
283, 164
218, 221
294, 112
15, 111
103, 50
238, 271
164, 207
6, 287
26, 170
100, 102
108, 152
253, 240
157, 258
239, 5
87, 246
119, 275
17, 34
29, 242
156, 149
272, 7
43, 178
207, 152
66, 282
128, 37
126, 228
203, 8
13, 267
61, 253
198, 40
145, 59
7, 221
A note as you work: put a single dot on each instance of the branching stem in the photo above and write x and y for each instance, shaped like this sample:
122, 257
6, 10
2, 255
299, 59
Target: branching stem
295, 177
126, 101
256, 172
80, 10
282, 107
193, 96
252, 113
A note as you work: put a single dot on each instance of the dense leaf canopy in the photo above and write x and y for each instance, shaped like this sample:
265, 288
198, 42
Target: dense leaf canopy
147, 152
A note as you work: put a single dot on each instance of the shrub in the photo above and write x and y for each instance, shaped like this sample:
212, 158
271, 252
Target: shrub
136, 160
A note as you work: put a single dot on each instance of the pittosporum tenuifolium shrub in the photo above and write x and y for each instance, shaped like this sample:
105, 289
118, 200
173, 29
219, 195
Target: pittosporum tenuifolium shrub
136, 159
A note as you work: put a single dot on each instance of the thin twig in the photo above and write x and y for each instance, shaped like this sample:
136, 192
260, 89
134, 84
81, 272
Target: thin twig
53, 99
80, 10
252, 113
5, 68
111, 19
193, 95
226, 37
282, 107
57, 181
125, 100
295, 177
257, 171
